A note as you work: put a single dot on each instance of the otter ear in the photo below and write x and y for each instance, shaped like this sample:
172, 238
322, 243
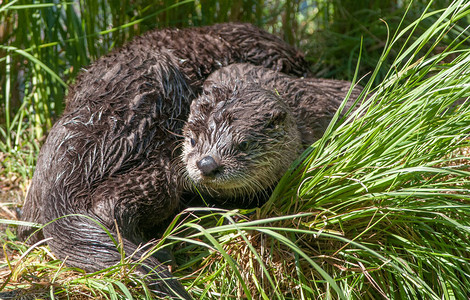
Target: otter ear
202, 105
219, 93
276, 119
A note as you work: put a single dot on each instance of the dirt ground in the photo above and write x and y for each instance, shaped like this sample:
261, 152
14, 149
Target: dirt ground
11, 198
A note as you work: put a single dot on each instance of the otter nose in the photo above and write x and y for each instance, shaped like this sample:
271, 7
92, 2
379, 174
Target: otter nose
208, 166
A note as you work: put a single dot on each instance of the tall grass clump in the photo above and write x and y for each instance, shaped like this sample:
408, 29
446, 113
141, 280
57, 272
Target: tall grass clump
380, 206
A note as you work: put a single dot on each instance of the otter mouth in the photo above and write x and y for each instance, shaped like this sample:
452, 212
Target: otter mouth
209, 171
222, 182
230, 184
219, 178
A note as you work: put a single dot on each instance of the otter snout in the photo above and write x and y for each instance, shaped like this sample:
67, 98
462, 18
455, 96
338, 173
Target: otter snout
208, 166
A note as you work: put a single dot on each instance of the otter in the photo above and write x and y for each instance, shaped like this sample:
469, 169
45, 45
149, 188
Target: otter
108, 162
249, 124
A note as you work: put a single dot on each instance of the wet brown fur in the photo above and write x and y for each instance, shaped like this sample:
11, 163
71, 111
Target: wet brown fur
252, 123
108, 157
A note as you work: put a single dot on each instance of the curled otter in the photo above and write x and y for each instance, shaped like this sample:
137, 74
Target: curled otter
110, 156
249, 125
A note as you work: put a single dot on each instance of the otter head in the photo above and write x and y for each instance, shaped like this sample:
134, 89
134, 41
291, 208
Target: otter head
239, 140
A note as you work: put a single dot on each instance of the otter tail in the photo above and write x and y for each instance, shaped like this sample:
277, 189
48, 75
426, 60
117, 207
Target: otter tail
82, 243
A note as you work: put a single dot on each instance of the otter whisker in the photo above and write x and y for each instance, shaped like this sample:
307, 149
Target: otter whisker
250, 124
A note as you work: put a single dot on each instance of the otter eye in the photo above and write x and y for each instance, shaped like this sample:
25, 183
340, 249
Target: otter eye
193, 142
277, 119
247, 145
270, 125
244, 146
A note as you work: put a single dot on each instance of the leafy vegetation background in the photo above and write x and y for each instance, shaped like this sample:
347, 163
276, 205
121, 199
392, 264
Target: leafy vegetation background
379, 207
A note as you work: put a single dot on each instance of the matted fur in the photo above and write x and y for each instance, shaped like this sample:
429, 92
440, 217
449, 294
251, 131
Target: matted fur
251, 123
109, 156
